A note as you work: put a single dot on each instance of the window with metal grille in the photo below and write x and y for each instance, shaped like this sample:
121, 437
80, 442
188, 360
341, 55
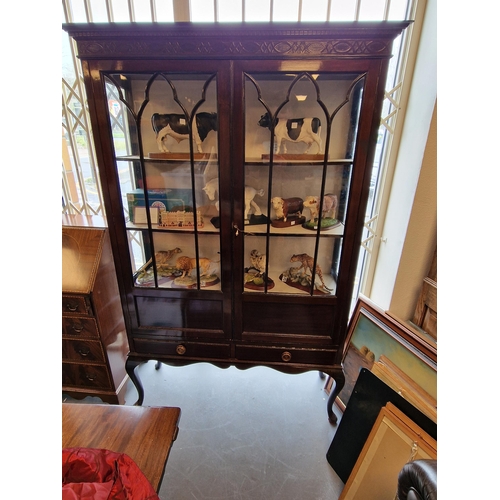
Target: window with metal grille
81, 190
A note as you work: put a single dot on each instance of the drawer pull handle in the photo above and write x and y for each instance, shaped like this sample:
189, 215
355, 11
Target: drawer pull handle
286, 356
77, 327
90, 377
84, 353
71, 307
180, 349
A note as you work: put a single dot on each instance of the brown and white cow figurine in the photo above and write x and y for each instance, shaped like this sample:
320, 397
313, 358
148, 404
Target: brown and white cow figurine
330, 203
306, 130
176, 126
284, 207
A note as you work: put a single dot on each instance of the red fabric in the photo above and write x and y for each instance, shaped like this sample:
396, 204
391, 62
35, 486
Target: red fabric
93, 474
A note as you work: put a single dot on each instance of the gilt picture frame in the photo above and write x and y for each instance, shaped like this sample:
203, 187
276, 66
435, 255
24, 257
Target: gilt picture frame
374, 336
393, 441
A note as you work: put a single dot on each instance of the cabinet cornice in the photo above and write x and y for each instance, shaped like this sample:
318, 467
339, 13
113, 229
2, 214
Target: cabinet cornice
230, 41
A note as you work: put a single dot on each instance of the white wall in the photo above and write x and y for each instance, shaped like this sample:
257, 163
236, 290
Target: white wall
421, 235
394, 234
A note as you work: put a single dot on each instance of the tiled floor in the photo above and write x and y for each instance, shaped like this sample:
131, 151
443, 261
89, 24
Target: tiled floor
243, 434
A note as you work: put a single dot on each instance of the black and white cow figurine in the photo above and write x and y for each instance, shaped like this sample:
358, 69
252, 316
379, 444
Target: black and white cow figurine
306, 130
175, 125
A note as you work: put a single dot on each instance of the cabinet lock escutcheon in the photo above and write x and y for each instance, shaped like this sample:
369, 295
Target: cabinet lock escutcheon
180, 349
286, 356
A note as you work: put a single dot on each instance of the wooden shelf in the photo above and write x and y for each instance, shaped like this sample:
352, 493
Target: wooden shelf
298, 160
298, 230
208, 227
170, 157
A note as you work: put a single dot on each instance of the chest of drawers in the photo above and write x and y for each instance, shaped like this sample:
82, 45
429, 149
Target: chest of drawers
94, 340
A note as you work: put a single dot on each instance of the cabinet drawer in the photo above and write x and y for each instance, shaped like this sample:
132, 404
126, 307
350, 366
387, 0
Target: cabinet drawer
83, 350
183, 349
79, 327
75, 305
285, 355
94, 376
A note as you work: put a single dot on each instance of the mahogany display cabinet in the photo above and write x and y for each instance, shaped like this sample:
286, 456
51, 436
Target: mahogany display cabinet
235, 161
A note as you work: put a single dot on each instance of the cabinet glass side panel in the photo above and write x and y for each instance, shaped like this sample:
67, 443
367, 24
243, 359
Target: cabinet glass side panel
164, 134
300, 132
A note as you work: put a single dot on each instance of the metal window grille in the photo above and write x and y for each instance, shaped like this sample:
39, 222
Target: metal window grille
81, 190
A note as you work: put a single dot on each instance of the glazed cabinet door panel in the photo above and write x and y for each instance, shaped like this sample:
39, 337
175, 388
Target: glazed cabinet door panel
164, 129
299, 134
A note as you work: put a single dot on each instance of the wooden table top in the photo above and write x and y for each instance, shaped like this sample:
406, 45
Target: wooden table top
145, 434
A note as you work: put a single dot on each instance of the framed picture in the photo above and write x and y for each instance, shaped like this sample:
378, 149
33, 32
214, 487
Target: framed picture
394, 353
393, 441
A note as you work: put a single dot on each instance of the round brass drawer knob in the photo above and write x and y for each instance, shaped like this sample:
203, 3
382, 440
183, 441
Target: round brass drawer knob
180, 349
286, 356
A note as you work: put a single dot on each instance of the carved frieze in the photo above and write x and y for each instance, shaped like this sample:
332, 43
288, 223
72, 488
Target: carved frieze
179, 49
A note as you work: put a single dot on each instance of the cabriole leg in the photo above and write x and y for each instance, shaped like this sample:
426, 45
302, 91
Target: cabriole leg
339, 379
130, 366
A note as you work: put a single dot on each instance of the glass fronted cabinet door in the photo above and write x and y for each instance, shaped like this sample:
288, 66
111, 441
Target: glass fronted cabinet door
165, 143
165, 140
299, 135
